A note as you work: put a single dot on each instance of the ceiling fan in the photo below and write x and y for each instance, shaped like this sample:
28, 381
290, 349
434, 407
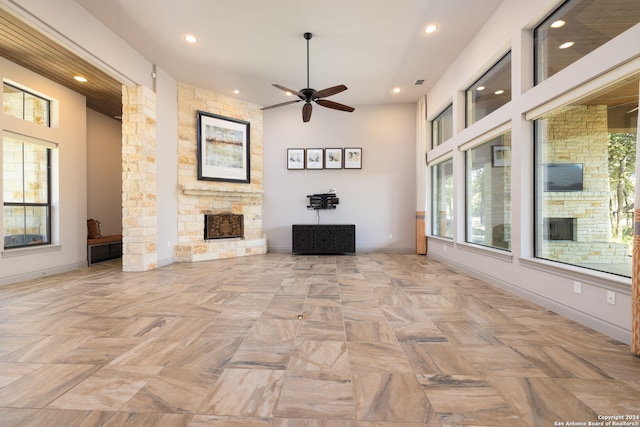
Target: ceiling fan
308, 95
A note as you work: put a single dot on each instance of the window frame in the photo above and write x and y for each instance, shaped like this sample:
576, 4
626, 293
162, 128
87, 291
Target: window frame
468, 90
539, 240
25, 92
438, 120
434, 205
48, 205
491, 141
551, 17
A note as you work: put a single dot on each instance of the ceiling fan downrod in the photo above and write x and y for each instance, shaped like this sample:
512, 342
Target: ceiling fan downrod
307, 37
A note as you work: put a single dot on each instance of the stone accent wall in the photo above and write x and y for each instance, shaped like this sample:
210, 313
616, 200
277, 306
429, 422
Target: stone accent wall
579, 134
197, 198
139, 179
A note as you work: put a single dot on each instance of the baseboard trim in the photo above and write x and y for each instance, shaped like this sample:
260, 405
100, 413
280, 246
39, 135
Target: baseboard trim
44, 272
602, 326
358, 250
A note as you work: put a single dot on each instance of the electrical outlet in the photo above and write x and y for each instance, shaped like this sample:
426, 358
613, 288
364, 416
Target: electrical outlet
390, 236
444, 248
577, 287
611, 297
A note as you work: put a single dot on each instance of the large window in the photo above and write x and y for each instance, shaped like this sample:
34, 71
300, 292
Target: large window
577, 28
488, 175
25, 105
26, 193
585, 180
489, 92
442, 126
442, 202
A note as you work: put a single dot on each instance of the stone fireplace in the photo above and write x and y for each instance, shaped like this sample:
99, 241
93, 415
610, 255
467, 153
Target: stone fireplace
197, 198
198, 201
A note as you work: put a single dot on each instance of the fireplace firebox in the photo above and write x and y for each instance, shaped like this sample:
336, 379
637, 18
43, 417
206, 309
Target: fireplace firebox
223, 226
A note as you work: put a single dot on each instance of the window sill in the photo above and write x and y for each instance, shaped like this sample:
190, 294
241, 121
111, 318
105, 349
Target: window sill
18, 252
608, 281
487, 250
447, 240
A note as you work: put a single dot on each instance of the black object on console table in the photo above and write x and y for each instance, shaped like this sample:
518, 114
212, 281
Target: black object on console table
323, 201
323, 239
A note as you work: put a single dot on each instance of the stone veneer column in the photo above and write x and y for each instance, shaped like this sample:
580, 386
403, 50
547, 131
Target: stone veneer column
139, 179
635, 288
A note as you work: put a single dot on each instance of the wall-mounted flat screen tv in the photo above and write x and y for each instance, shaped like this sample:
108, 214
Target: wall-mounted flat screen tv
563, 177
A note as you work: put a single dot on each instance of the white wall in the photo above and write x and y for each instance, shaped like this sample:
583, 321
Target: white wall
69, 205
379, 199
546, 283
104, 171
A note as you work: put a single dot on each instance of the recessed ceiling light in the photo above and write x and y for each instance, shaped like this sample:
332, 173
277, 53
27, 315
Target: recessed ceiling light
499, 92
190, 38
80, 79
431, 29
566, 45
396, 90
236, 91
480, 88
557, 24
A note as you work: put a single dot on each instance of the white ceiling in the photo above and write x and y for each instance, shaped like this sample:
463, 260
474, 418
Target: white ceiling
371, 46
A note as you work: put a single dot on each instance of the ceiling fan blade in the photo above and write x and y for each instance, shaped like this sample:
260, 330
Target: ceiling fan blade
281, 104
286, 89
334, 105
330, 91
306, 112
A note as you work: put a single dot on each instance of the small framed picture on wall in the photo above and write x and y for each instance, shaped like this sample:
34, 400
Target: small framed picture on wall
333, 158
353, 158
314, 158
295, 158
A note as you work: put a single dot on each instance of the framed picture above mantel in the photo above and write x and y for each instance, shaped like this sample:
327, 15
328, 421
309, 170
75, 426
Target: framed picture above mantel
223, 148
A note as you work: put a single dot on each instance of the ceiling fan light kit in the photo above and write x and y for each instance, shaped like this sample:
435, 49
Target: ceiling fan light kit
309, 95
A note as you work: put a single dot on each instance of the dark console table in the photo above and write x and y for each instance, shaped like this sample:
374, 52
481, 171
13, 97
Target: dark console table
323, 239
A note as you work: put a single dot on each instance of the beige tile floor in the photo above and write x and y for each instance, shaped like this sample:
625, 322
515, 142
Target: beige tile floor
385, 340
